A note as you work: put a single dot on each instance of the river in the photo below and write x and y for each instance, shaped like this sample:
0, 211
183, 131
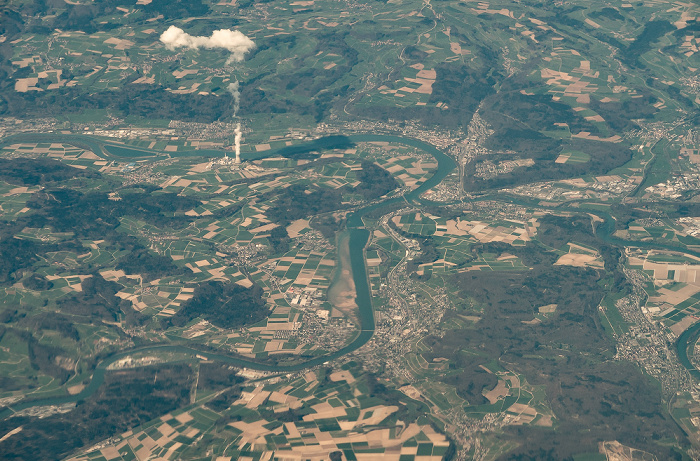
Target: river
357, 241
358, 238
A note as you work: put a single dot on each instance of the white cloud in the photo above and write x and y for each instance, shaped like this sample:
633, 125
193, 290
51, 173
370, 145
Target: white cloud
232, 40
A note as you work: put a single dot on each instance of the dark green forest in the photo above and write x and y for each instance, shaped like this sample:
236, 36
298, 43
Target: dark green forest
298, 202
126, 399
33, 172
375, 181
569, 353
226, 305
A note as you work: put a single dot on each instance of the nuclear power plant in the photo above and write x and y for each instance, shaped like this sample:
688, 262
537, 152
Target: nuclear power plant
226, 160
238, 45
237, 142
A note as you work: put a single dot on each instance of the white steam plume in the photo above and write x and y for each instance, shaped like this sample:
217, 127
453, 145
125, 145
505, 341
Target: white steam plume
233, 40
238, 142
233, 89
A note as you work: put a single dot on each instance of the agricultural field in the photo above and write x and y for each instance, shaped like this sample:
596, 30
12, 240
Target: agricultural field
315, 229
224, 237
451, 241
303, 417
673, 287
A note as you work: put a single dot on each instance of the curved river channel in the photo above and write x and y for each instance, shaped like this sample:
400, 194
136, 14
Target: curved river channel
359, 237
